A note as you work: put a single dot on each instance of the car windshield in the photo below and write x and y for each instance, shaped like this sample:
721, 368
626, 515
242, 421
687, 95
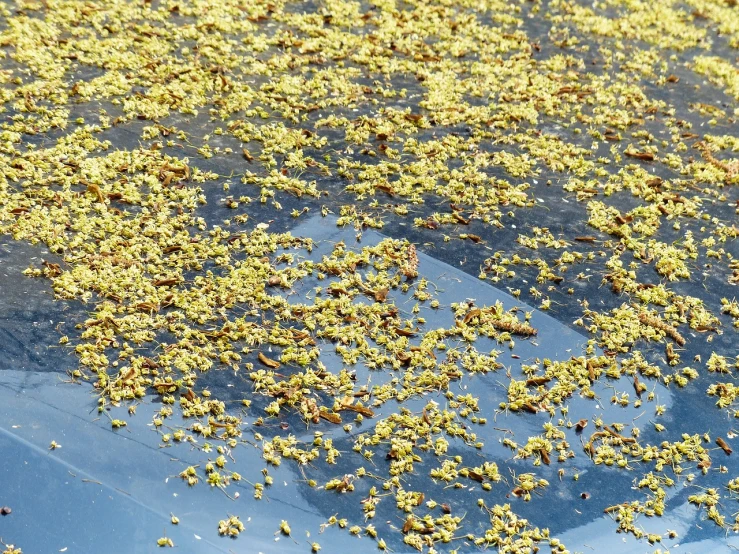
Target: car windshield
283, 276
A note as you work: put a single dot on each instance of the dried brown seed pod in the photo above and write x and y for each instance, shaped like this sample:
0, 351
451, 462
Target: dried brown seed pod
410, 268
666, 328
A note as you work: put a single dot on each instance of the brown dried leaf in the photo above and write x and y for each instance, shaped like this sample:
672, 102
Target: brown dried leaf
643, 156
268, 361
330, 416
165, 282
476, 476
724, 446
472, 314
